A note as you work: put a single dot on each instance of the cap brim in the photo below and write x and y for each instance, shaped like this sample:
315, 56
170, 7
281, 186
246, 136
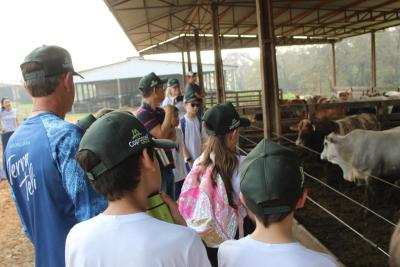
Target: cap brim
244, 122
163, 143
77, 74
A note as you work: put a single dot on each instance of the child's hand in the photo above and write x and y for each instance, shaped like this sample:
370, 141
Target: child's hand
173, 208
168, 108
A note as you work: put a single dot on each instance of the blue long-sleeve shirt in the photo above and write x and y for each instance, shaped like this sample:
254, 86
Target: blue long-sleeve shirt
51, 191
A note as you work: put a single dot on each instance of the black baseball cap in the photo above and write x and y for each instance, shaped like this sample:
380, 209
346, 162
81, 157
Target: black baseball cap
172, 82
116, 136
223, 118
271, 179
54, 60
149, 81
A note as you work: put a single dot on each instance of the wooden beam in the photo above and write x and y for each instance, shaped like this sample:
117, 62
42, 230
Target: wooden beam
333, 65
217, 54
328, 15
199, 64
183, 69
373, 62
269, 79
189, 60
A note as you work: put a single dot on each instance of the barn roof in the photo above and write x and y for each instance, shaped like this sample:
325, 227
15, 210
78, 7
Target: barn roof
159, 26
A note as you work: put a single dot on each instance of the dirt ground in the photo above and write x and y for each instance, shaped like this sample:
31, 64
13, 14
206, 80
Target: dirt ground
15, 247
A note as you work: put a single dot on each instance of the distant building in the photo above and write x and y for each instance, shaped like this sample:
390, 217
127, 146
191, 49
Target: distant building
115, 85
15, 92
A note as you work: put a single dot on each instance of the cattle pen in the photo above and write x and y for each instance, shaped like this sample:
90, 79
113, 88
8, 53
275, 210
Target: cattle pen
335, 214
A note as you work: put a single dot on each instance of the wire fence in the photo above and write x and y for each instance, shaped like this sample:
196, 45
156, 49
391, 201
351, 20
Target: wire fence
367, 240
318, 153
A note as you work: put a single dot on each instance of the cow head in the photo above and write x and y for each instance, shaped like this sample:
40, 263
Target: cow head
305, 129
329, 152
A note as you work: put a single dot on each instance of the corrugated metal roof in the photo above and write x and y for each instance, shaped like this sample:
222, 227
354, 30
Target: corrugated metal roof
155, 26
137, 67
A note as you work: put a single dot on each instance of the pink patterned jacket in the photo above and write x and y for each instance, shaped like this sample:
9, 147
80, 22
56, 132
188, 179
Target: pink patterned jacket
205, 207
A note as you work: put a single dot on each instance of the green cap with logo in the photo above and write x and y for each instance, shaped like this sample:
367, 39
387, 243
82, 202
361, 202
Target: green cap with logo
271, 179
172, 82
223, 118
149, 81
115, 137
54, 60
190, 97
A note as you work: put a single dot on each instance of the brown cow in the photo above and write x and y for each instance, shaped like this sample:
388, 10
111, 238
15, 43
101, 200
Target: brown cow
312, 135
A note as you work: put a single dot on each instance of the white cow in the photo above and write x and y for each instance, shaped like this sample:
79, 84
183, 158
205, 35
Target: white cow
362, 153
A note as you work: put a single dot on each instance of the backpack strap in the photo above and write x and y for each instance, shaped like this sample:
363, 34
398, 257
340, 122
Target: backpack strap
183, 128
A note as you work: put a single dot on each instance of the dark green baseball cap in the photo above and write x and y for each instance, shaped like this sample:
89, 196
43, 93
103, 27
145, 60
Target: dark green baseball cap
116, 136
223, 118
54, 60
190, 97
149, 81
271, 179
172, 82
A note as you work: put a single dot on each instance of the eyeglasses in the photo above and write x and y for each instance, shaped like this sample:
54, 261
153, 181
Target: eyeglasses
195, 105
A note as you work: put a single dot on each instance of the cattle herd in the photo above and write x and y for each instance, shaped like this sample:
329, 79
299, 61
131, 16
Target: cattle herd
356, 142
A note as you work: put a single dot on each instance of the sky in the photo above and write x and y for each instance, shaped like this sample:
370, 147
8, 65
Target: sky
86, 28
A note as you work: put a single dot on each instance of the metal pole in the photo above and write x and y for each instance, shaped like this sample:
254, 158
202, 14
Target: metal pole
269, 80
198, 58
217, 54
333, 65
373, 62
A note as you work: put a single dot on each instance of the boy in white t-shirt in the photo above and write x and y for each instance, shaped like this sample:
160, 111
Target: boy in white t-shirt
179, 171
193, 135
271, 184
117, 153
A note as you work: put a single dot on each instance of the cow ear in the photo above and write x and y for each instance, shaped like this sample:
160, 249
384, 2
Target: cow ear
331, 139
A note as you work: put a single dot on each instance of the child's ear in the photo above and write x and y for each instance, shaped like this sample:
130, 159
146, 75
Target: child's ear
147, 162
302, 199
234, 134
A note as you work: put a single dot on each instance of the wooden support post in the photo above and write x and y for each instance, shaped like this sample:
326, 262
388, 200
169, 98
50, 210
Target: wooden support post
199, 64
188, 56
183, 69
119, 93
333, 65
373, 62
217, 54
269, 79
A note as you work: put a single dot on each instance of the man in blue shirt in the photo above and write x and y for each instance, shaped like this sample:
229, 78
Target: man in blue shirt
51, 191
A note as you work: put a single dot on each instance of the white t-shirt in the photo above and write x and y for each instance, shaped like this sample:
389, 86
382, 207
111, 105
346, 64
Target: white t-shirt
8, 120
193, 136
133, 240
179, 171
249, 252
179, 105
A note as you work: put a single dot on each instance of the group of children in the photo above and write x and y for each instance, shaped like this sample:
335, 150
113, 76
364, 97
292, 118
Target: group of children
214, 189
126, 159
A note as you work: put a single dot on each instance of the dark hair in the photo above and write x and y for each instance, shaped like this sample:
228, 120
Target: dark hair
40, 86
267, 220
2, 103
114, 183
226, 162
